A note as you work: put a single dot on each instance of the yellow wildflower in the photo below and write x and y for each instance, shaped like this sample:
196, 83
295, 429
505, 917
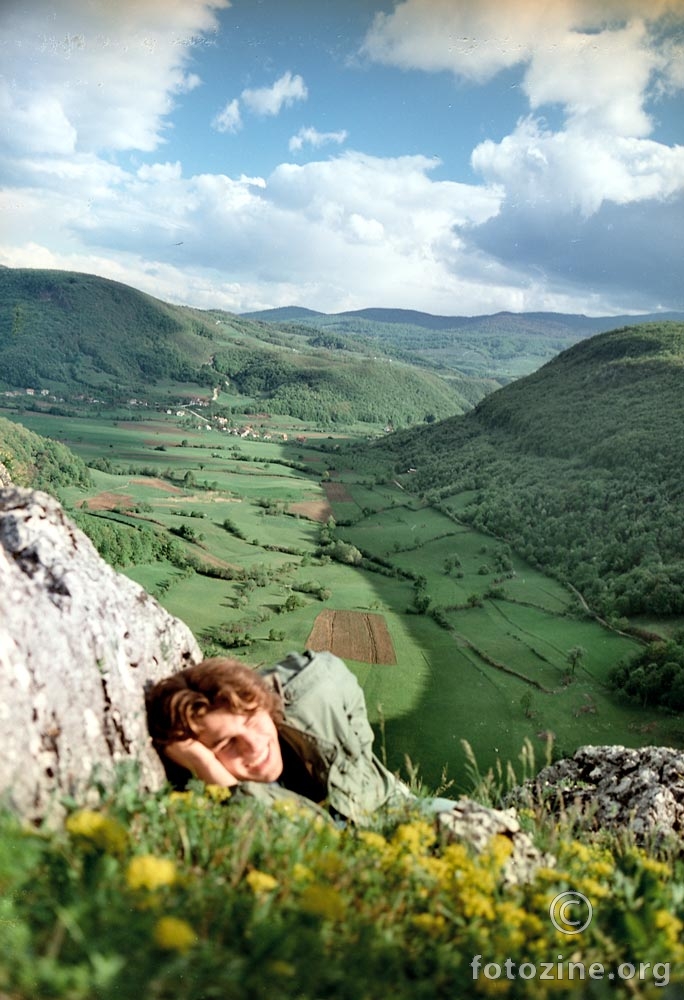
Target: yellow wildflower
604, 869
670, 925
293, 810
181, 797
218, 793
437, 869
416, 837
430, 923
477, 904
322, 901
149, 872
301, 873
100, 830
593, 889
500, 849
372, 839
552, 875
510, 914
174, 934
577, 850
260, 882
657, 868
285, 970
457, 857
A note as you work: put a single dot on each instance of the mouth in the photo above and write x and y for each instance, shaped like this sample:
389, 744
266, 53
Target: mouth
260, 762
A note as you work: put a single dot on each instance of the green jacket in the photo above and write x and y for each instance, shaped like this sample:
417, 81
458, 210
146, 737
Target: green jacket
327, 724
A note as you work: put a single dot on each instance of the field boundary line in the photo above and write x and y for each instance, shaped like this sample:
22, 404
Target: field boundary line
486, 658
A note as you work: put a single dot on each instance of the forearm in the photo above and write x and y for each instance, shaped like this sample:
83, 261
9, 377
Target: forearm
195, 757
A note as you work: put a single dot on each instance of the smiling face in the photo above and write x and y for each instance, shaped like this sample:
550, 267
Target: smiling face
246, 745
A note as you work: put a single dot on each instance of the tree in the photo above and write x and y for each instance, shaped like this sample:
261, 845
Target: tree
574, 658
292, 602
526, 703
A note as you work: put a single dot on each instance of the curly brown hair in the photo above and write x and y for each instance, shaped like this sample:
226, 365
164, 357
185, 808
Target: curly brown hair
177, 703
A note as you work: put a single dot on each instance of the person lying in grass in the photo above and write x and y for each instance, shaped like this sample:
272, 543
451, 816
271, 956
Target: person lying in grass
298, 729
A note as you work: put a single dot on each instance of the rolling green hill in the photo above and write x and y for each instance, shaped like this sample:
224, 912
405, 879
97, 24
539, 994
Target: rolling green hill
578, 466
502, 346
78, 334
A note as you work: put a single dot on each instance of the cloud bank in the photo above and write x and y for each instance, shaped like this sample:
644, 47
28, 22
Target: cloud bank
586, 215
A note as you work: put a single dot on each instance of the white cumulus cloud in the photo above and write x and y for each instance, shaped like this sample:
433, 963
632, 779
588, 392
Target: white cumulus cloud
228, 120
271, 100
97, 75
312, 137
599, 60
571, 169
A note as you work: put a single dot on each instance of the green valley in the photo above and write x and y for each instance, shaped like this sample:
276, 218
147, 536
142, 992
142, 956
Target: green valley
485, 575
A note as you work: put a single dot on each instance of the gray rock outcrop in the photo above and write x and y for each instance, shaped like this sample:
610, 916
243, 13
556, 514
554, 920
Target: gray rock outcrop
478, 825
615, 787
78, 641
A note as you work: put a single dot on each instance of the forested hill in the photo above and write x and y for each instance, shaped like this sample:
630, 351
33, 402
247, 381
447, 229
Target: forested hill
38, 462
78, 334
503, 345
578, 465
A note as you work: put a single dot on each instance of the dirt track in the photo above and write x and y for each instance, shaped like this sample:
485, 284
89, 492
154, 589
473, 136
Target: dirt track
353, 635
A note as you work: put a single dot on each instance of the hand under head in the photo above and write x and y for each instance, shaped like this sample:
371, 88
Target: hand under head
246, 745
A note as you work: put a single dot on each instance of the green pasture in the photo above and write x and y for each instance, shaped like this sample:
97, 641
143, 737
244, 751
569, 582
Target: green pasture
437, 695
397, 528
440, 691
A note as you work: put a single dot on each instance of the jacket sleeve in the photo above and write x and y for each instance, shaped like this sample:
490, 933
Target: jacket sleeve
323, 698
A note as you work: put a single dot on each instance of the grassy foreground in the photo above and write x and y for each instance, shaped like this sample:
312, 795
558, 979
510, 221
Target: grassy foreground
184, 895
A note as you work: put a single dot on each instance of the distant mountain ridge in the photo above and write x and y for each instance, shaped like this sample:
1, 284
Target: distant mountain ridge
575, 321
502, 345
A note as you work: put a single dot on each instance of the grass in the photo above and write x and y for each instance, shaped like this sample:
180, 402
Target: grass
188, 897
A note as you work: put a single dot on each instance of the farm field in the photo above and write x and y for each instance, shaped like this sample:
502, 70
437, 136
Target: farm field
252, 515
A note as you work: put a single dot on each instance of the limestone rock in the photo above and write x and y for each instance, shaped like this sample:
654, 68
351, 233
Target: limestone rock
5, 478
78, 642
615, 787
475, 824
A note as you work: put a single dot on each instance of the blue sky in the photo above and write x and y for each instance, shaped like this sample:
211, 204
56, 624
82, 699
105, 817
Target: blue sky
453, 156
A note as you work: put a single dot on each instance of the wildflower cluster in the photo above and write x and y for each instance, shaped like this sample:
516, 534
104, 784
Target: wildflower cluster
190, 896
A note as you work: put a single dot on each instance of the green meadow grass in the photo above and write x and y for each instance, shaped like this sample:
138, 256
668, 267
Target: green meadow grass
440, 691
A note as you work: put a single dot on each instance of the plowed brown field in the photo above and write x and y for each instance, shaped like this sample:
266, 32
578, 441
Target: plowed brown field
339, 492
159, 484
109, 501
353, 635
315, 510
